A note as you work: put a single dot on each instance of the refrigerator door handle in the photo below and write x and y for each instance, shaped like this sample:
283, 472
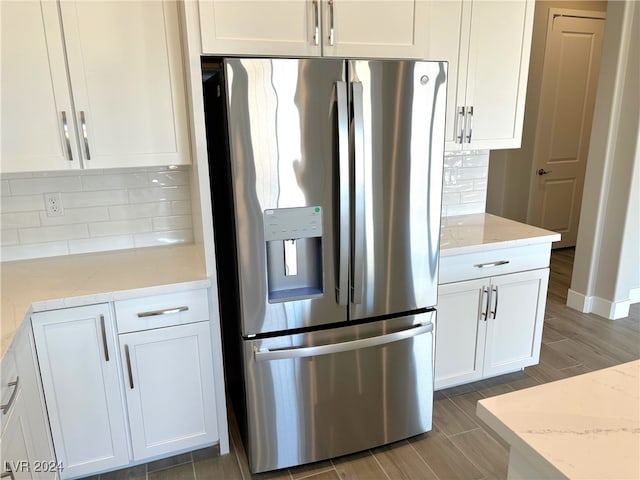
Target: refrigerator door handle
359, 175
288, 353
342, 289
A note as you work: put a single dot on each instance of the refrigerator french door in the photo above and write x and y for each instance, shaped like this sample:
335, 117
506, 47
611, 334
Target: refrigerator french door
334, 180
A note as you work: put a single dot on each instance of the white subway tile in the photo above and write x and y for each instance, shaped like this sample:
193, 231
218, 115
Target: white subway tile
19, 220
160, 194
9, 237
465, 209
76, 215
451, 162
120, 227
140, 210
4, 188
181, 207
450, 198
163, 238
480, 184
472, 173
12, 176
115, 181
52, 233
476, 161
94, 199
28, 186
473, 197
88, 245
36, 250
458, 186
169, 178
22, 203
178, 222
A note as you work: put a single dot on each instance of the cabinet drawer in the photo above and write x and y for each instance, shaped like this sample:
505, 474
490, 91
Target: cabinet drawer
455, 268
162, 310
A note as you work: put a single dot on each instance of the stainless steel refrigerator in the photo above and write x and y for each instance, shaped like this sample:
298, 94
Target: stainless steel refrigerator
326, 184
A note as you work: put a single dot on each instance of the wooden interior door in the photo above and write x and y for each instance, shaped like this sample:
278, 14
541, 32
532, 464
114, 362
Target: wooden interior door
569, 83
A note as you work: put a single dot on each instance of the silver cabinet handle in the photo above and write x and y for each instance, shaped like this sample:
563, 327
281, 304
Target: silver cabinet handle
358, 175
130, 372
469, 123
83, 122
460, 121
331, 30
494, 312
104, 339
287, 353
342, 294
168, 311
8, 474
5, 408
486, 294
491, 264
316, 26
65, 129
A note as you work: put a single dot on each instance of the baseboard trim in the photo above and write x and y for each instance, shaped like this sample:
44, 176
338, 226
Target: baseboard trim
600, 306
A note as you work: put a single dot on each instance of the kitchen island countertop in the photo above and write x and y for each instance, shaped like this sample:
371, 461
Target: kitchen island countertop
587, 426
68, 281
483, 231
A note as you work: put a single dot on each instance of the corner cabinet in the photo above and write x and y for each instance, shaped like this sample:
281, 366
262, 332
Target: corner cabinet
487, 45
92, 85
491, 324
372, 29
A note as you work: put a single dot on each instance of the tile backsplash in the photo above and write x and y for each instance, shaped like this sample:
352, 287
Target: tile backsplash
102, 210
464, 189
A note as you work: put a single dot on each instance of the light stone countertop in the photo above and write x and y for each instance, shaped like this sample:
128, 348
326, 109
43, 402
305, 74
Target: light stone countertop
69, 281
587, 426
483, 231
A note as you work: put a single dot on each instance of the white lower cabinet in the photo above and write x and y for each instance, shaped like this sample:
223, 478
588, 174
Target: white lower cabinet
81, 379
489, 326
169, 388
114, 400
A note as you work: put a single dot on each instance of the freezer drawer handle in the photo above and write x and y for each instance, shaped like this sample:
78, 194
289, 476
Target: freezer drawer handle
265, 355
492, 264
168, 311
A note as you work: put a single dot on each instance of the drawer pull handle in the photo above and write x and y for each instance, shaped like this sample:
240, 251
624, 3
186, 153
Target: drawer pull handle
168, 311
491, 264
5, 408
129, 371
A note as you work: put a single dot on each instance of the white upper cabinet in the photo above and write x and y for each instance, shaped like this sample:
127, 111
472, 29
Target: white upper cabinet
487, 72
125, 77
372, 29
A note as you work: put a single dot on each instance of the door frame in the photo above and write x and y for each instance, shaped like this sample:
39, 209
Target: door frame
553, 13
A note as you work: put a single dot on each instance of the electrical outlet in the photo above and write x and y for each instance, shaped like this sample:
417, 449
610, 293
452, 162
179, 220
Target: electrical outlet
53, 204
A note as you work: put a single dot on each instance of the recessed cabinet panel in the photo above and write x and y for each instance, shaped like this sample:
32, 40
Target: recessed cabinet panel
36, 101
81, 382
169, 376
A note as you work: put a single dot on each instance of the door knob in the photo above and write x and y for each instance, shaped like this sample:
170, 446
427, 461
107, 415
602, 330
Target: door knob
542, 171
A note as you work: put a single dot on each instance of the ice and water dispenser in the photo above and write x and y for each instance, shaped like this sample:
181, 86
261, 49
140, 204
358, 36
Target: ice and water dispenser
293, 239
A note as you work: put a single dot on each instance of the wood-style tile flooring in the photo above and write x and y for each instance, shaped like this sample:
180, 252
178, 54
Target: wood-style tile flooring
460, 446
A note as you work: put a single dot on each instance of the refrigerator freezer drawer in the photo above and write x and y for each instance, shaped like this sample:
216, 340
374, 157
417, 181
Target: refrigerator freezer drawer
331, 392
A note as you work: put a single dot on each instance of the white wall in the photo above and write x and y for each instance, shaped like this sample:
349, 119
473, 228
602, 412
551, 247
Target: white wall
510, 170
606, 275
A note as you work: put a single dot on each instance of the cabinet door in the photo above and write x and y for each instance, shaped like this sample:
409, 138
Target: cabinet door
375, 29
36, 101
499, 46
460, 332
33, 405
17, 456
82, 388
169, 388
254, 27
514, 328
125, 66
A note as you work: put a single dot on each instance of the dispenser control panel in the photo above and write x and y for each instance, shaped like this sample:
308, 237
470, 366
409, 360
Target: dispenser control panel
292, 223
